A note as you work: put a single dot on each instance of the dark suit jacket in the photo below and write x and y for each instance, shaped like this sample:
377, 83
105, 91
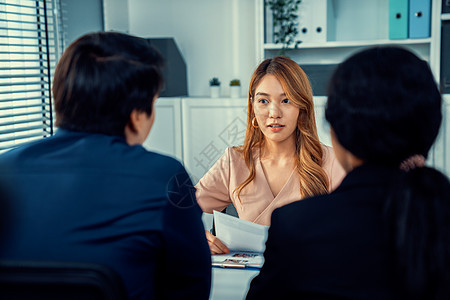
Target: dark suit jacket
93, 198
331, 246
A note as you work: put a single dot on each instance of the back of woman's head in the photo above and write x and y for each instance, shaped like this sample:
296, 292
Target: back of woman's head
384, 105
101, 78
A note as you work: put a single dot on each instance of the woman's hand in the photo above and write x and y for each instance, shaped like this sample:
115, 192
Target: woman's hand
215, 245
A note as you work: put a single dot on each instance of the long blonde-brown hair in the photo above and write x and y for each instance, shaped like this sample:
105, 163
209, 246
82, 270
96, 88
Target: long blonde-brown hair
309, 153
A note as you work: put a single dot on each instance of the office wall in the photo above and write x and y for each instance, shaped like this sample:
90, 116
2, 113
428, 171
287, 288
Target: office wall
215, 37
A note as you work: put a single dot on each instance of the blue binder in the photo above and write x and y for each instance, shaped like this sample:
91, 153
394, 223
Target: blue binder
398, 19
419, 18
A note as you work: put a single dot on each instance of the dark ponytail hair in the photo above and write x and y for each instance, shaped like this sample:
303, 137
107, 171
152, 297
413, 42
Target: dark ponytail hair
418, 219
384, 107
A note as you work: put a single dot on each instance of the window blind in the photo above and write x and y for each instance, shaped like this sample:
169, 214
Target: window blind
29, 49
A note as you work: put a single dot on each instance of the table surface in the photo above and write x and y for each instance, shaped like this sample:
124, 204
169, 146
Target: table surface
230, 283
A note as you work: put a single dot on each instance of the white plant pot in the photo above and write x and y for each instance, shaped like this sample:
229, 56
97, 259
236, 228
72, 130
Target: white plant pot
215, 91
235, 91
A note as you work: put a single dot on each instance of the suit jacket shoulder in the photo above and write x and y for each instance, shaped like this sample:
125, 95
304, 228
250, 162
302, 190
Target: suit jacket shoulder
336, 245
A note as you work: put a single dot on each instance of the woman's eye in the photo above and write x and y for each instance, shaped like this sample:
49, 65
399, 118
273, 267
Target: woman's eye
263, 101
286, 101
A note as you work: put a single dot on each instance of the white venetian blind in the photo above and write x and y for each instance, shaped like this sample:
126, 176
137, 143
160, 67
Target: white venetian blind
28, 53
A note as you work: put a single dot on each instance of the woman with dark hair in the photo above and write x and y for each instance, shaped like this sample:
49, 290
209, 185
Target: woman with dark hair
384, 233
282, 159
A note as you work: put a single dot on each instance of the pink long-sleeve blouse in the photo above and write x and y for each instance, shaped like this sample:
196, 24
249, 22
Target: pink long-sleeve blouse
215, 189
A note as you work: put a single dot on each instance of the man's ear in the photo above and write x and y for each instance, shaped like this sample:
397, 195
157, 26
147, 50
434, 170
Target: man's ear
138, 127
132, 129
133, 122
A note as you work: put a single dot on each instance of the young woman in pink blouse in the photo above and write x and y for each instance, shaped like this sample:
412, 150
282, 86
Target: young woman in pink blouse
282, 159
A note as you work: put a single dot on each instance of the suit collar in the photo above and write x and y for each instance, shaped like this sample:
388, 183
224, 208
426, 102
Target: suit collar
62, 132
368, 174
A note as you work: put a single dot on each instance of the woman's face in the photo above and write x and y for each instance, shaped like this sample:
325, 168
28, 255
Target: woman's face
275, 114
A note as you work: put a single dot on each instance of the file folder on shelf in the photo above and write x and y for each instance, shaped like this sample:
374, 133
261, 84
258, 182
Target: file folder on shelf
419, 18
445, 59
445, 6
268, 24
316, 21
398, 19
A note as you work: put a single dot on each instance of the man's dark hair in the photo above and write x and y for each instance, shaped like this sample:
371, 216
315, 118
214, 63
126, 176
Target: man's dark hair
101, 78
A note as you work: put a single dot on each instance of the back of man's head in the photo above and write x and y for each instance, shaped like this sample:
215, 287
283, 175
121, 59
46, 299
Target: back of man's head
101, 78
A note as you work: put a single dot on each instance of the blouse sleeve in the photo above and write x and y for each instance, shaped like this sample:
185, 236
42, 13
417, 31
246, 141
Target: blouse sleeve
334, 169
213, 189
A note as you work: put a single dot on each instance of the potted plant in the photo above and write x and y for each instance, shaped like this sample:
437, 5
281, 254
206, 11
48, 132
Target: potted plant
235, 88
285, 25
214, 85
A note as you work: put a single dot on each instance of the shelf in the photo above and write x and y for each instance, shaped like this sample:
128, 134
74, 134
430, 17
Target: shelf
445, 17
343, 44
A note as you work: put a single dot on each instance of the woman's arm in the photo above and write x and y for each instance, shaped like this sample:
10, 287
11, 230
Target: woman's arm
212, 191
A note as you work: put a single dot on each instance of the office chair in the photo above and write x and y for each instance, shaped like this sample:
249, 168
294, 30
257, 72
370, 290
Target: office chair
59, 280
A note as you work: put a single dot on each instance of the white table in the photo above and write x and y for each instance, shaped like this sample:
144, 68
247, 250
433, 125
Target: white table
230, 283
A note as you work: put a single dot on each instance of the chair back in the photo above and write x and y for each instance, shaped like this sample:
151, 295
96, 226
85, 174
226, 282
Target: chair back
59, 280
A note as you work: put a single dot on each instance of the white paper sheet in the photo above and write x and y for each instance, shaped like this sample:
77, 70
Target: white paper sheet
207, 221
240, 235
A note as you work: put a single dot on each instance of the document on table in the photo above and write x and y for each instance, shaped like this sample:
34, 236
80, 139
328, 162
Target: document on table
246, 241
238, 234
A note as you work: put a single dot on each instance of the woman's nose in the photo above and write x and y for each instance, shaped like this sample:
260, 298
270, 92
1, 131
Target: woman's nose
274, 111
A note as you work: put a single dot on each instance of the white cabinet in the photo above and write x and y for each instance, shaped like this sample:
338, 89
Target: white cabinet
439, 154
166, 136
210, 125
323, 128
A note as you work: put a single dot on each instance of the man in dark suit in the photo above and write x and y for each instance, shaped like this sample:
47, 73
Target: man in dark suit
92, 193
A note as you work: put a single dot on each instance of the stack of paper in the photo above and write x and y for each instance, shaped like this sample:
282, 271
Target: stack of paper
245, 240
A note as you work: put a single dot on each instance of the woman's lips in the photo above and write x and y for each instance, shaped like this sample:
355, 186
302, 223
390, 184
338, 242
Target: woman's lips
275, 127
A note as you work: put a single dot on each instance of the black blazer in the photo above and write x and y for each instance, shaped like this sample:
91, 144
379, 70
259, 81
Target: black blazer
331, 246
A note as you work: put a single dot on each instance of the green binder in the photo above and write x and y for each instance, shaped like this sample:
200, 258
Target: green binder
398, 19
